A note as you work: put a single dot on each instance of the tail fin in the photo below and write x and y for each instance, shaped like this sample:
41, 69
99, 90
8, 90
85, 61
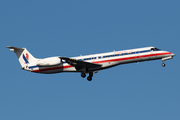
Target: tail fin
23, 55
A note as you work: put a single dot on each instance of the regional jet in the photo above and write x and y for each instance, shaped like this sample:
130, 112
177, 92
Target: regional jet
88, 64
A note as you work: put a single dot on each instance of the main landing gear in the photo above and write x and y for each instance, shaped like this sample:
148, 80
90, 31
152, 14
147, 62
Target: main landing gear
83, 75
89, 78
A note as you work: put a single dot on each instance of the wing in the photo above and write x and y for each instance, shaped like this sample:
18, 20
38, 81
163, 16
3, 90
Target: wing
81, 64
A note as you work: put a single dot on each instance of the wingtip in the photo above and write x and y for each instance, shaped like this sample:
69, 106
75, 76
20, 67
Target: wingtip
8, 46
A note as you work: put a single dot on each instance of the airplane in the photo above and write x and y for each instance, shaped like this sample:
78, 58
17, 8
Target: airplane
88, 64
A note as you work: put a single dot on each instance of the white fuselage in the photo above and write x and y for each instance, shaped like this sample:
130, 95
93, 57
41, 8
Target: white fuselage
107, 60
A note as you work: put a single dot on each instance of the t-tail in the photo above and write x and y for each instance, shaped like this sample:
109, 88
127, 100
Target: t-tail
24, 56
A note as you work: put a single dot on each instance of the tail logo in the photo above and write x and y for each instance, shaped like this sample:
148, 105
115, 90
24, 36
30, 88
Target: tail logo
26, 59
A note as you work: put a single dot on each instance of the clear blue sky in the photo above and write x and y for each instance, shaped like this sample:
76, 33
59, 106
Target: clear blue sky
144, 91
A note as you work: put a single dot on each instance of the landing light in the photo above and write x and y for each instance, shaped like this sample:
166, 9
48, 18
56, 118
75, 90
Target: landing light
11, 50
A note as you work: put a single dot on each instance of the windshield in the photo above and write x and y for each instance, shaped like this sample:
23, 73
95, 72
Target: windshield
155, 49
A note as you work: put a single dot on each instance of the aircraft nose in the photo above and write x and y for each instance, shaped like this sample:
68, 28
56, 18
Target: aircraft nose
172, 54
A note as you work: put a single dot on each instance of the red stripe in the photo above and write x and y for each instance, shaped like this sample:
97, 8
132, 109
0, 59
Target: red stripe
114, 60
55, 68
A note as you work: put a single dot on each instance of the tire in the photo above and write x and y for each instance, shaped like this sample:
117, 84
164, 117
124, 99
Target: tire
89, 78
163, 65
83, 75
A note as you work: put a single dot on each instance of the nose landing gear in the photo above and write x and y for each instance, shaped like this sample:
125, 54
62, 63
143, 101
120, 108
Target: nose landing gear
163, 64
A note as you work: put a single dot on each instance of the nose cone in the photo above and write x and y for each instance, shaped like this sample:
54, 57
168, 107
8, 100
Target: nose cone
172, 54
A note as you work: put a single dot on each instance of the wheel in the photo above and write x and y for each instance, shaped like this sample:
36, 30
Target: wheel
89, 78
163, 65
83, 75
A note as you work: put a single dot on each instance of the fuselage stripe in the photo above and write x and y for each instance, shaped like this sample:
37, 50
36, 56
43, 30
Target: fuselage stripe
104, 61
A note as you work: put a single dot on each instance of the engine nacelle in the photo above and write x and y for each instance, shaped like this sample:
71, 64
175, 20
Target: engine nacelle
49, 61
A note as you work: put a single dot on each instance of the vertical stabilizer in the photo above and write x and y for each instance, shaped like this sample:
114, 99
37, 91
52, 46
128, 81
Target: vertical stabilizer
23, 55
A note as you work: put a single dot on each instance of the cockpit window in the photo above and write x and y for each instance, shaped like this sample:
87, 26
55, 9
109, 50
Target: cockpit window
152, 49
155, 49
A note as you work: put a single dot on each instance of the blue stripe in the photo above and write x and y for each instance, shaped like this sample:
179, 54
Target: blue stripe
145, 51
33, 67
113, 55
25, 59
